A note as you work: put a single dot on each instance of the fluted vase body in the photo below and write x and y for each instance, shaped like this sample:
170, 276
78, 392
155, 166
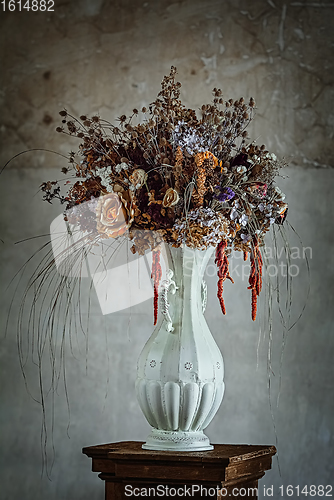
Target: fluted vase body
180, 370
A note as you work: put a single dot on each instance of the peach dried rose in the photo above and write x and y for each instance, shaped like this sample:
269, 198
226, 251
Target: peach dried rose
114, 213
171, 198
138, 177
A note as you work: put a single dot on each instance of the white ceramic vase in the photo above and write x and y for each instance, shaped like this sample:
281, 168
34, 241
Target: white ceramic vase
180, 370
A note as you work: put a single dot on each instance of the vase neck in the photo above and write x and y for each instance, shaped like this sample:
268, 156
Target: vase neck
188, 266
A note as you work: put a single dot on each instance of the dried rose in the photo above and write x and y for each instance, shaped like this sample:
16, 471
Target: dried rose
138, 177
171, 198
114, 213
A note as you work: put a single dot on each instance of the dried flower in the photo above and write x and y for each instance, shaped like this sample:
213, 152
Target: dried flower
171, 198
255, 277
121, 166
205, 184
223, 273
156, 276
225, 194
113, 214
201, 228
138, 177
243, 220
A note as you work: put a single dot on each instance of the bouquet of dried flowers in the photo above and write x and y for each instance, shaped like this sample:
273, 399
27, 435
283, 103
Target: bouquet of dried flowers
190, 180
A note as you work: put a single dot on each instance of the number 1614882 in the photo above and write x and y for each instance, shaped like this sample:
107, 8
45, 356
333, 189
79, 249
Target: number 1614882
28, 5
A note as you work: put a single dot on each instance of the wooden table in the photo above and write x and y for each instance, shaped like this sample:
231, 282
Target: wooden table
227, 471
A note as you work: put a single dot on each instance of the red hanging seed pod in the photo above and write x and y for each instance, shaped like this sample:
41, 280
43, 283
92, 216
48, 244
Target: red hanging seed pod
255, 276
156, 276
223, 273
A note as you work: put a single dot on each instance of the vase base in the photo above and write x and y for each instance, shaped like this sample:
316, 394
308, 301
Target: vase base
177, 441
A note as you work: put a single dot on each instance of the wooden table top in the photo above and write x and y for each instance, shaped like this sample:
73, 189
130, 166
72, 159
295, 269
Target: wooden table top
228, 453
226, 466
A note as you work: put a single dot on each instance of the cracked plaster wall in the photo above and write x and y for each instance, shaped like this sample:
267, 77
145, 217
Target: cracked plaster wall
107, 57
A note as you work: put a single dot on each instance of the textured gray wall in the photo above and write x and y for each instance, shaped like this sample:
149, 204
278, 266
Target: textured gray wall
107, 57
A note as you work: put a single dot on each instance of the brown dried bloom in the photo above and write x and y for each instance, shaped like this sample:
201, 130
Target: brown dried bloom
138, 177
203, 160
178, 167
201, 228
171, 198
